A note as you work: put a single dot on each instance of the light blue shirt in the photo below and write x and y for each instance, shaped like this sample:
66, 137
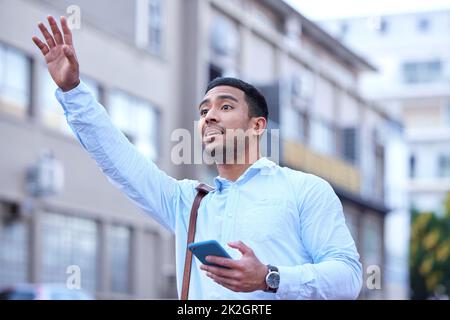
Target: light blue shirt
290, 219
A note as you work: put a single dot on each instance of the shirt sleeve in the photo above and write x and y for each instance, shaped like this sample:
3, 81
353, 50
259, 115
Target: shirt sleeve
335, 272
126, 168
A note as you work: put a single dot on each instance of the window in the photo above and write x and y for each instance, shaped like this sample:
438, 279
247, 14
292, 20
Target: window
224, 41
423, 24
14, 81
349, 144
149, 25
372, 242
155, 24
214, 72
295, 123
138, 121
447, 113
263, 16
303, 126
422, 72
383, 28
371, 248
68, 241
343, 29
377, 23
224, 36
412, 166
302, 88
444, 166
13, 248
379, 171
51, 111
119, 248
322, 137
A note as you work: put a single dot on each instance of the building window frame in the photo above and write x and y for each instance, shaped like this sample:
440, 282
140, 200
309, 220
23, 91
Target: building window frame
423, 24
422, 71
444, 166
150, 26
317, 144
132, 129
120, 282
14, 245
76, 230
21, 107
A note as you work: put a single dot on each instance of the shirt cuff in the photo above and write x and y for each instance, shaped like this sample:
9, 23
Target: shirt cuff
293, 282
74, 100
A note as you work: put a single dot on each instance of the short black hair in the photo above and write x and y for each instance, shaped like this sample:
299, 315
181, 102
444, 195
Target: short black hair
255, 100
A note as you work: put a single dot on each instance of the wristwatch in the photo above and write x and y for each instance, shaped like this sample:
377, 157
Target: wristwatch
272, 279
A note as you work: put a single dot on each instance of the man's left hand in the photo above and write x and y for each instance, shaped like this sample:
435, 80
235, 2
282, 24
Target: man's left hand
247, 274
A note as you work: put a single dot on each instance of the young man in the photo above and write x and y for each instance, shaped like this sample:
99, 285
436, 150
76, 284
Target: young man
287, 227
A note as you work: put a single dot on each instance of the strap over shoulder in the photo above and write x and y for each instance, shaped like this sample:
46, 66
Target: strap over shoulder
203, 187
202, 190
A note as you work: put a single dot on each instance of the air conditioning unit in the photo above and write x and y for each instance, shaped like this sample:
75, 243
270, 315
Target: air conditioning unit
301, 90
46, 177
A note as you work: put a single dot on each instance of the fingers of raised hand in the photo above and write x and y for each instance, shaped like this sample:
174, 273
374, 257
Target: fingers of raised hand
66, 31
48, 37
42, 46
55, 30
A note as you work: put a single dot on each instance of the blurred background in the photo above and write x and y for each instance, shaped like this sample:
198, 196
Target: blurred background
360, 92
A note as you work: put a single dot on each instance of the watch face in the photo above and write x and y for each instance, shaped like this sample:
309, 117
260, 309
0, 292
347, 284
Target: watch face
273, 280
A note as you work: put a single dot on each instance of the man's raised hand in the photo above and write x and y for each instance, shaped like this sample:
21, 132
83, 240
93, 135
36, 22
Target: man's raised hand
59, 54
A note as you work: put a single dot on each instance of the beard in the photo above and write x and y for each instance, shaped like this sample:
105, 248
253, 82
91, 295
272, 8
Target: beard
230, 150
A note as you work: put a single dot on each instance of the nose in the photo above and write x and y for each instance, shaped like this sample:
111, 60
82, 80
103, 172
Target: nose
211, 116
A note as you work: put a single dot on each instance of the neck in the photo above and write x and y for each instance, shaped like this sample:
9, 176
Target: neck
233, 171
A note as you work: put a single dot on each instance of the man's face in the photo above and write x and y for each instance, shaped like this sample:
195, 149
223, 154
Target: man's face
222, 111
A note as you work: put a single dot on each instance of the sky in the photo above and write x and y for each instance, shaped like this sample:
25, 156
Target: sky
329, 9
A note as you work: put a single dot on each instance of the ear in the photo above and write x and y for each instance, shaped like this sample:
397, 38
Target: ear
259, 125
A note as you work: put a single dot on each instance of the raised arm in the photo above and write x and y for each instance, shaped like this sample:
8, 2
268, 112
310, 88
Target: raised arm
161, 196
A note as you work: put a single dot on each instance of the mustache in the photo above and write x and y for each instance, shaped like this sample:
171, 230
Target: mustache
213, 127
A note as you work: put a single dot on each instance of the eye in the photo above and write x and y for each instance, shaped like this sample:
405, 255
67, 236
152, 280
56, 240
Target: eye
227, 107
203, 112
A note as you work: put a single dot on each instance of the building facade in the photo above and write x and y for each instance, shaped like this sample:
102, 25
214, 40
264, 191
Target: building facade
412, 53
89, 223
150, 71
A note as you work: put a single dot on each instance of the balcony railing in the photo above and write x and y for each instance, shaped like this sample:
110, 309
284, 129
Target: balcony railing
333, 170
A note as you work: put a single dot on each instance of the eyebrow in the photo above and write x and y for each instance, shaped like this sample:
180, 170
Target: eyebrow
221, 97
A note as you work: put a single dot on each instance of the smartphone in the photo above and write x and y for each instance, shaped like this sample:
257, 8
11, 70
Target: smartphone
208, 248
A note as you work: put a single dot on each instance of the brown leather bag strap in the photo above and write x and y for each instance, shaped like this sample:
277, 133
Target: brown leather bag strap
202, 190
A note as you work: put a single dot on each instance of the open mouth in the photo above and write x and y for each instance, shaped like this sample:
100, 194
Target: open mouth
211, 133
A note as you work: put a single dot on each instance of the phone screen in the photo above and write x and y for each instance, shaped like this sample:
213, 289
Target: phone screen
208, 248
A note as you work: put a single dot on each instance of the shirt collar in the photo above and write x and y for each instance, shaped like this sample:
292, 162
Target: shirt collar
262, 164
